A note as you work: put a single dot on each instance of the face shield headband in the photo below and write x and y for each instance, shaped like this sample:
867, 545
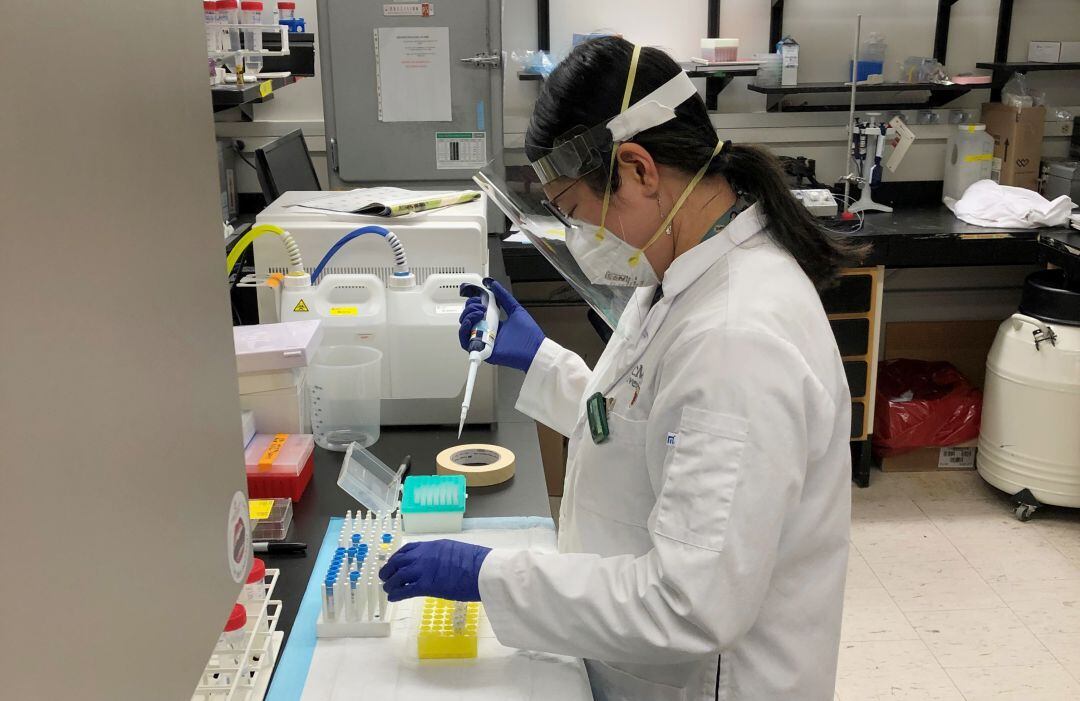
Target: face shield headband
579, 151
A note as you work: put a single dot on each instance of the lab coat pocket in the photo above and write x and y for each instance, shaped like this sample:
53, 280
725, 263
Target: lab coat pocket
700, 478
612, 479
609, 683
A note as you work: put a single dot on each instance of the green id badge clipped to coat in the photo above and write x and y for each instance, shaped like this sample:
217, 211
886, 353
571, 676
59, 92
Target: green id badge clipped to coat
596, 409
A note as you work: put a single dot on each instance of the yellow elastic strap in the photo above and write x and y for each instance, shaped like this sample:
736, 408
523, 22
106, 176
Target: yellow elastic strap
614, 146
245, 241
685, 193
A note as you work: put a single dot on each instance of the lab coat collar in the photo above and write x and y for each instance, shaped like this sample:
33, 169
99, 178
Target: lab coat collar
692, 264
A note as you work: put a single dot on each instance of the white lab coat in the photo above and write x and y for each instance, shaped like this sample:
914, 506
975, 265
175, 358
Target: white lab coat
703, 547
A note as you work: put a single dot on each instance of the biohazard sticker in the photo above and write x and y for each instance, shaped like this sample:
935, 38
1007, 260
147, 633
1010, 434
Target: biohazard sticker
238, 538
301, 307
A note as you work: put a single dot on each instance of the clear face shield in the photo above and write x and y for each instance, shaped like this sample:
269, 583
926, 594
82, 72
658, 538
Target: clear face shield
526, 211
579, 152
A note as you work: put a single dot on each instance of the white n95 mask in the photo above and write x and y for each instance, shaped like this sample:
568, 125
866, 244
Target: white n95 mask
608, 260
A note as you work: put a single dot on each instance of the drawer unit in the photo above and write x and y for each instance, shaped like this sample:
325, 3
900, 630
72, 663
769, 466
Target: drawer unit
854, 310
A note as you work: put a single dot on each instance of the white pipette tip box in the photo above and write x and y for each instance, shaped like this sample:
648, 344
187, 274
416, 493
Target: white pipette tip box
433, 503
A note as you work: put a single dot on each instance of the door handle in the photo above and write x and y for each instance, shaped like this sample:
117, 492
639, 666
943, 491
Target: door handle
483, 60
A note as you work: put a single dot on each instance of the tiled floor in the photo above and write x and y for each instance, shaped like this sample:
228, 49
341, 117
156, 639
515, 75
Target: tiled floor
950, 598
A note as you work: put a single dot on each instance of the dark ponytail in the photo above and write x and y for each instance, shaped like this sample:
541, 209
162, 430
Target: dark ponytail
586, 89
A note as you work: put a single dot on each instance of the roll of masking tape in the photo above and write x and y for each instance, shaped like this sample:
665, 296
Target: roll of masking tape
482, 465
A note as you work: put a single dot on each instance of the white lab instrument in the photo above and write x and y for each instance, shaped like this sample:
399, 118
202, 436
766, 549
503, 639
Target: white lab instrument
1029, 445
818, 201
271, 360
359, 300
723, 489
481, 344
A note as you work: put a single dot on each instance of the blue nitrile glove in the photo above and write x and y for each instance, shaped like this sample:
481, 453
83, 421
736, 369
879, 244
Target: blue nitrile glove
518, 338
447, 569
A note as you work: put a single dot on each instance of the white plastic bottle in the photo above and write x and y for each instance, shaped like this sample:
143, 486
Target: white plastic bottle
969, 157
252, 12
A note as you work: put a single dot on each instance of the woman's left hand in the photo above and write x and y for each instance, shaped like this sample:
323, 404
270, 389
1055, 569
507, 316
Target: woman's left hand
447, 569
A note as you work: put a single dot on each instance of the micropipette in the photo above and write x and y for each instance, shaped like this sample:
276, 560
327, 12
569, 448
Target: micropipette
481, 343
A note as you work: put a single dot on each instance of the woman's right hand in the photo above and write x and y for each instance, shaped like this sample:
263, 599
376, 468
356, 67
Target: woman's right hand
518, 337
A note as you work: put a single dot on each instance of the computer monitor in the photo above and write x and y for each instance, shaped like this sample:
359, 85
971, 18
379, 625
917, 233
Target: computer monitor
285, 165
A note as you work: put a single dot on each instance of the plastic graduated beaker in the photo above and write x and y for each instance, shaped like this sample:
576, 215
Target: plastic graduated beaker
344, 390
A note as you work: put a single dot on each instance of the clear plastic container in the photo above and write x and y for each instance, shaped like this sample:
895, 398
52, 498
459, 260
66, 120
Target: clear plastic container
344, 391
252, 13
871, 57
210, 18
969, 157
368, 480
229, 13
270, 519
286, 10
254, 590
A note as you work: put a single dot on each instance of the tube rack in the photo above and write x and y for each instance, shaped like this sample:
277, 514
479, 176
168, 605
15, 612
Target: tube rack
448, 629
242, 672
354, 604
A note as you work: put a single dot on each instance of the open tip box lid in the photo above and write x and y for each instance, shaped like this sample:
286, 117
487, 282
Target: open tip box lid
267, 347
368, 480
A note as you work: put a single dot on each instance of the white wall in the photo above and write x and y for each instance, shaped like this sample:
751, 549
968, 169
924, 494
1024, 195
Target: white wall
823, 28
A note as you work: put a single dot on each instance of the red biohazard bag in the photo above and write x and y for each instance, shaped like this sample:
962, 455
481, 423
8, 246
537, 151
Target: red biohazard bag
923, 404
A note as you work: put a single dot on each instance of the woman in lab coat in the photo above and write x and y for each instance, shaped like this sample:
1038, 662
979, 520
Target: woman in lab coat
703, 533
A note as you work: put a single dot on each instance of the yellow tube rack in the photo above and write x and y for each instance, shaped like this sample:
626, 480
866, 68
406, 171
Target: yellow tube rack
448, 629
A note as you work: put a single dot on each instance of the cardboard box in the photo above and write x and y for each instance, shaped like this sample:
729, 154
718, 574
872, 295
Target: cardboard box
1018, 138
1044, 51
965, 344
553, 455
957, 457
1070, 52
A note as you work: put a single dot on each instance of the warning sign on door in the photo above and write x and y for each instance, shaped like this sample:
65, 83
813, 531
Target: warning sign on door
460, 150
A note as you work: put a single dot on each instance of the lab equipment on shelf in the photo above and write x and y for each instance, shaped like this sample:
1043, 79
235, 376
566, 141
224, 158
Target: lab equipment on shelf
354, 604
227, 21
279, 465
718, 50
788, 49
344, 385
871, 59
448, 629
969, 158
252, 15
433, 503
